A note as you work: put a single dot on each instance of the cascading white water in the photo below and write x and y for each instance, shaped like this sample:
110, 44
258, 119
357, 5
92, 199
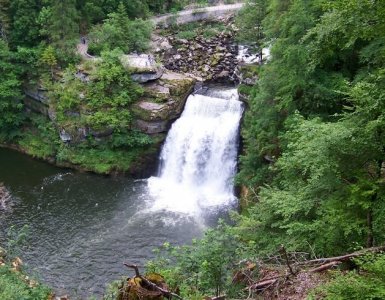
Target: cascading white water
199, 157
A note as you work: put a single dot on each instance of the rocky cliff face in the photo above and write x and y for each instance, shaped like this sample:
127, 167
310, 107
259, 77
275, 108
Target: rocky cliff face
162, 103
165, 94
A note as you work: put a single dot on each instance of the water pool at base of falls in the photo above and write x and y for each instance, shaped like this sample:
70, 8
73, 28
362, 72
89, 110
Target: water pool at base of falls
82, 227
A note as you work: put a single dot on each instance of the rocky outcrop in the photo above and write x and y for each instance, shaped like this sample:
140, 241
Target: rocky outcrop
164, 97
143, 67
212, 59
162, 103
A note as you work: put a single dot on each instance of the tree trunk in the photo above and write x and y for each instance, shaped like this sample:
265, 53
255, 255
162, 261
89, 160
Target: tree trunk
369, 223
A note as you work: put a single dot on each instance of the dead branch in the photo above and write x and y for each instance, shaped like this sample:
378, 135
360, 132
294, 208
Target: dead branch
284, 253
263, 284
343, 258
135, 267
151, 284
325, 267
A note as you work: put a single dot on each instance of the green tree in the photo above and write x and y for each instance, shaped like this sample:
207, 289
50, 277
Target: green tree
24, 29
10, 96
314, 129
5, 22
63, 29
205, 267
48, 59
118, 31
249, 21
109, 93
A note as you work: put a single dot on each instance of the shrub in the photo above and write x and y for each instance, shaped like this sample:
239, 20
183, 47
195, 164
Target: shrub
205, 267
13, 286
367, 282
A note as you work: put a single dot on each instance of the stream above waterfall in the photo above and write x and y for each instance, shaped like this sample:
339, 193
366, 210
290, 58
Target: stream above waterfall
82, 227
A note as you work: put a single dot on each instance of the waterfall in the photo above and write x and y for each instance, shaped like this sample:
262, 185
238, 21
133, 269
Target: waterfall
199, 158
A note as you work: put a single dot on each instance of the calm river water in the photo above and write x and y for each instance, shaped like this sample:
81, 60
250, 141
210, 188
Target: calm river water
82, 227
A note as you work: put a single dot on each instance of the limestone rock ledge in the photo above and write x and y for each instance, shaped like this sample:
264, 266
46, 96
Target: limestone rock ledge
143, 67
162, 103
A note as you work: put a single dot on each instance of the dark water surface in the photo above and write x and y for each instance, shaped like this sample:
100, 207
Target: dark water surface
83, 226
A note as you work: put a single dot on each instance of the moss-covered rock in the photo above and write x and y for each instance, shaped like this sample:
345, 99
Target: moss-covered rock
163, 102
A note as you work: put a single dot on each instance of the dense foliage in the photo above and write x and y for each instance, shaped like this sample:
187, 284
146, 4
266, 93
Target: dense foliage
99, 105
14, 287
38, 52
10, 106
313, 163
317, 112
118, 31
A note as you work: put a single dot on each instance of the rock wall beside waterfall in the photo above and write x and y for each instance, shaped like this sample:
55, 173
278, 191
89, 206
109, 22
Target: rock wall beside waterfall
162, 98
162, 103
210, 54
211, 59
165, 94
167, 77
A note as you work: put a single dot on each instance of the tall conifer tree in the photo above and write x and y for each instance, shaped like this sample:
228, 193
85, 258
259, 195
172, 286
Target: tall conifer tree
64, 26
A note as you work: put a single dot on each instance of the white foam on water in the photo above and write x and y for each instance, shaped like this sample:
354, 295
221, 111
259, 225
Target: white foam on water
246, 57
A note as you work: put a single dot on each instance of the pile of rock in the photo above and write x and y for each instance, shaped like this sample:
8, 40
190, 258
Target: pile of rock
212, 59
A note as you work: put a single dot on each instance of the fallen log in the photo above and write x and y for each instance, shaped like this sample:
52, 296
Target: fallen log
325, 267
342, 258
263, 284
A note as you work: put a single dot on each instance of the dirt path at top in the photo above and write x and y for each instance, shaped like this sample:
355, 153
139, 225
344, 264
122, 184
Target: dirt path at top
190, 12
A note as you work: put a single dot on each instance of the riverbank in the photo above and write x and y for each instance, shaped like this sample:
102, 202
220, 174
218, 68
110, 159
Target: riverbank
144, 166
15, 284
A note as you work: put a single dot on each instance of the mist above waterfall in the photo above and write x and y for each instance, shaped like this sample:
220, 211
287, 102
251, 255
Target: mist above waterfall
199, 158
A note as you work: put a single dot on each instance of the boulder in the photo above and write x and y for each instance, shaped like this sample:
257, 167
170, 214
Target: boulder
64, 136
157, 92
159, 43
73, 134
102, 133
223, 74
143, 67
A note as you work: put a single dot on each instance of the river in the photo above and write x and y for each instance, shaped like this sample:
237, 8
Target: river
82, 227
